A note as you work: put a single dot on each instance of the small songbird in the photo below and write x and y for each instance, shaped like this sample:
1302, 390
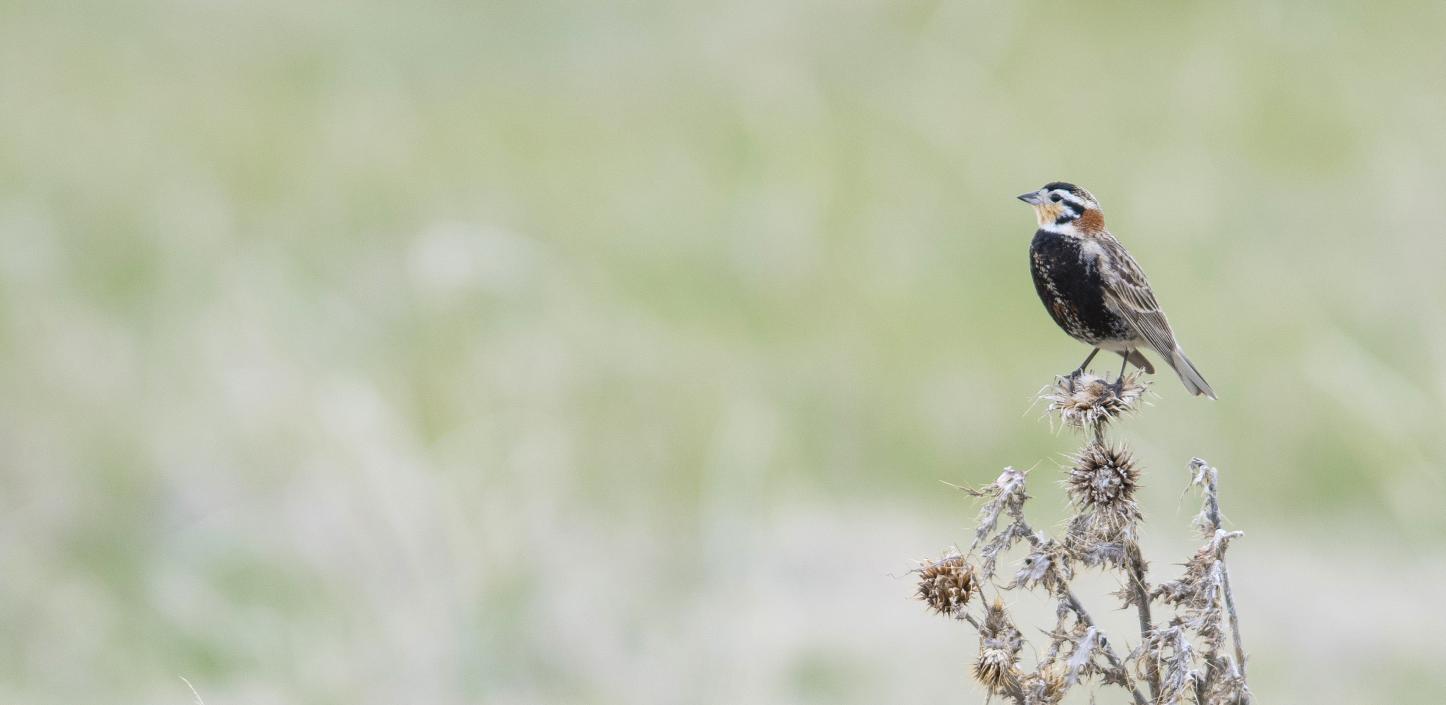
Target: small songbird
1093, 288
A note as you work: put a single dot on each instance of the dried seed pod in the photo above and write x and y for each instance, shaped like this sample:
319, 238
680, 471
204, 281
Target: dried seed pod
946, 585
1048, 685
996, 670
999, 645
998, 625
1103, 479
1101, 486
1088, 401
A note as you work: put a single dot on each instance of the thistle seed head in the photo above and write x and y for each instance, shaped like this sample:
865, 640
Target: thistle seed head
999, 627
1103, 479
996, 670
1101, 486
1088, 401
946, 585
999, 646
1049, 684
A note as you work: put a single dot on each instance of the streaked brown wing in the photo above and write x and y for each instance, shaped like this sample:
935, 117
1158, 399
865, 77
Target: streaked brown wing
1128, 293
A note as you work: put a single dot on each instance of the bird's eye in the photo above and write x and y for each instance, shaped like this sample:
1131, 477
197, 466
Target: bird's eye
1054, 197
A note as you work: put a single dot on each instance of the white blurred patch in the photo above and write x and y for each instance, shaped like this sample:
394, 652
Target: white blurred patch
450, 259
27, 232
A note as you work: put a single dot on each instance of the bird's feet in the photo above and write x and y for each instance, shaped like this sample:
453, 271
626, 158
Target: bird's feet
1074, 377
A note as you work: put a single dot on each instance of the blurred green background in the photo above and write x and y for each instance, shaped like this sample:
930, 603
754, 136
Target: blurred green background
558, 352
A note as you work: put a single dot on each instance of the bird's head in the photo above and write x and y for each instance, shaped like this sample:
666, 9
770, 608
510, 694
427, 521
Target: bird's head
1065, 208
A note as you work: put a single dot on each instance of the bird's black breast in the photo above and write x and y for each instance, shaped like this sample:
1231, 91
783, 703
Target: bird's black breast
1073, 289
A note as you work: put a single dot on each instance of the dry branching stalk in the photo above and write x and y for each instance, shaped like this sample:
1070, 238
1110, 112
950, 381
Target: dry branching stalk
1180, 660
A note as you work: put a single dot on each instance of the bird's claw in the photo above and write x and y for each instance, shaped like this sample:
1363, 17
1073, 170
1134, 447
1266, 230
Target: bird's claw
1074, 377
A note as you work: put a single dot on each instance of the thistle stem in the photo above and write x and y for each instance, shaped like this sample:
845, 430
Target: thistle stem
1212, 512
1084, 617
1141, 597
1115, 663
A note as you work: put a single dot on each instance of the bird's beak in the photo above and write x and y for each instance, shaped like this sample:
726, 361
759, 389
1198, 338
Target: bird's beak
1032, 198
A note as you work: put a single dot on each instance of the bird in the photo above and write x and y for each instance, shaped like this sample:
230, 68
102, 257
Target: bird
1095, 290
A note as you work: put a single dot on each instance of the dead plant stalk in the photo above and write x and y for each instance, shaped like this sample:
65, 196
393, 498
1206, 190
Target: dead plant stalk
1179, 656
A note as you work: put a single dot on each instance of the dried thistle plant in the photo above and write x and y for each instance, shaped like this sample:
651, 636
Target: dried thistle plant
1085, 401
947, 585
1101, 486
1181, 659
997, 668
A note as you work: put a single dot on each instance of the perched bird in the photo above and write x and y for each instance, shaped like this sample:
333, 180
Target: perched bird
1093, 288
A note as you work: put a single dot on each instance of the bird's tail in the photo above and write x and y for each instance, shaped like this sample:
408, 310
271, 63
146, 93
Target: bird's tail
1194, 381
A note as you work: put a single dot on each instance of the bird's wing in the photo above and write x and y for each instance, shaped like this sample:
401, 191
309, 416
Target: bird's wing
1128, 293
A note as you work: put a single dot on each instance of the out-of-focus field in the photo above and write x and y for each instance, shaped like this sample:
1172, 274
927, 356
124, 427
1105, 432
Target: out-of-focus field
546, 352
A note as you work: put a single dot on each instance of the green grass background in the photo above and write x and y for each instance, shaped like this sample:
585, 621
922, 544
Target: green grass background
564, 352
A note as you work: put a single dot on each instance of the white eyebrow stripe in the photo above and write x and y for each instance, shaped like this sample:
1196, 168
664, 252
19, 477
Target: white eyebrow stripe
1071, 199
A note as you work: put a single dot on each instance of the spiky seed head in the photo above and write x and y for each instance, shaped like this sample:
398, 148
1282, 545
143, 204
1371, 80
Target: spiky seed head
1088, 401
996, 618
1103, 479
999, 646
996, 670
946, 585
1055, 680
1047, 685
1101, 484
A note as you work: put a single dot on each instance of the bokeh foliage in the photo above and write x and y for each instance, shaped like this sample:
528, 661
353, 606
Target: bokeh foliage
487, 352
